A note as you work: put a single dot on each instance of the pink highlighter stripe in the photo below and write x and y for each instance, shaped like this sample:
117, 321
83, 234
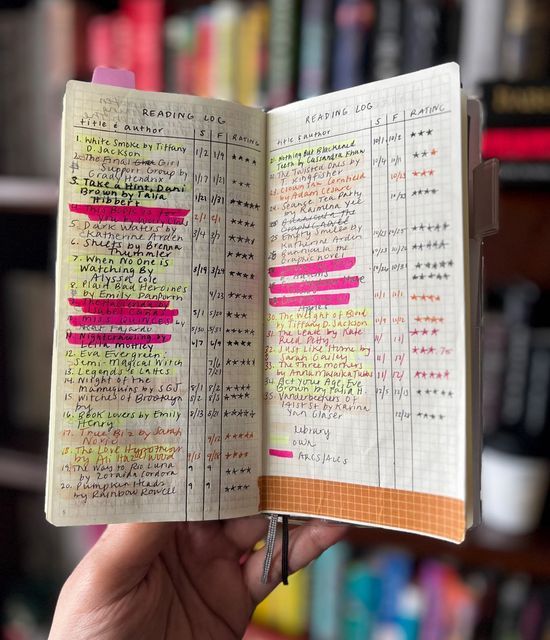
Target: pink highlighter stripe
98, 339
118, 318
129, 213
152, 312
130, 311
281, 453
309, 268
328, 299
117, 302
315, 285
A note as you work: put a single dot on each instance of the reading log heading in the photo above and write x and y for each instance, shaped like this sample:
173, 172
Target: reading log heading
263, 312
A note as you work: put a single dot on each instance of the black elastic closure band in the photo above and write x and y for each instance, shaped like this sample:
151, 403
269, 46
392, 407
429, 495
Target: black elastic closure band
284, 551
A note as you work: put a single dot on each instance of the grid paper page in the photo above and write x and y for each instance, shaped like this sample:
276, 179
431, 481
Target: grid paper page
365, 332
157, 390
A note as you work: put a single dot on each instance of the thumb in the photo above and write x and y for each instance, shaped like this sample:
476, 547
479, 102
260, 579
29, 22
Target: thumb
122, 556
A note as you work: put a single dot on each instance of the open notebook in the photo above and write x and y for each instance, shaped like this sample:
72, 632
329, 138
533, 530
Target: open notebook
267, 311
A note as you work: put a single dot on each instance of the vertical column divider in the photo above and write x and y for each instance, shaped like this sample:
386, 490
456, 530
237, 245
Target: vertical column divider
190, 327
223, 327
408, 296
374, 308
207, 327
389, 298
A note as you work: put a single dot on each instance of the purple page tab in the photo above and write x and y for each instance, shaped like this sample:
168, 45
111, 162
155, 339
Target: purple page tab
115, 77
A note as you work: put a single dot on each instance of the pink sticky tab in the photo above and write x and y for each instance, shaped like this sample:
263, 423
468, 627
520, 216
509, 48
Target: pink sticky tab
115, 77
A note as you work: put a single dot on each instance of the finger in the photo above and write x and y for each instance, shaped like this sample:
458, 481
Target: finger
306, 543
124, 553
245, 532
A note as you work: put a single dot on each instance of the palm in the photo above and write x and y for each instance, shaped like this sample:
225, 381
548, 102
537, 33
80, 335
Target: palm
184, 593
195, 580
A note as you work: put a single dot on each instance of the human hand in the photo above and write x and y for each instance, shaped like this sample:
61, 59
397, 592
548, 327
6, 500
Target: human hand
177, 580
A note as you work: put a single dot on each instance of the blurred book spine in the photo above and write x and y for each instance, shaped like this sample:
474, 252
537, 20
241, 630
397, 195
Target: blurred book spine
495, 338
518, 308
480, 41
353, 27
179, 52
449, 32
252, 54
517, 104
517, 143
327, 581
203, 77
101, 41
387, 45
525, 51
146, 20
537, 405
422, 34
225, 19
283, 51
361, 595
315, 44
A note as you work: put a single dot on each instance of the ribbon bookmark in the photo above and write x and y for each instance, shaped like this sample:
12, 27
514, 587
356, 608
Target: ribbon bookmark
269, 546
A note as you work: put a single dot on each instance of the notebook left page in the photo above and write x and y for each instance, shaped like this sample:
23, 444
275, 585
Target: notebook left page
156, 389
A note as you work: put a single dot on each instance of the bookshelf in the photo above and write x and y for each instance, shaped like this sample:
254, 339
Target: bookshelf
482, 548
33, 560
520, 250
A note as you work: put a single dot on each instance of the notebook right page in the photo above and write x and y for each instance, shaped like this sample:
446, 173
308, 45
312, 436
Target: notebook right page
365, 307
